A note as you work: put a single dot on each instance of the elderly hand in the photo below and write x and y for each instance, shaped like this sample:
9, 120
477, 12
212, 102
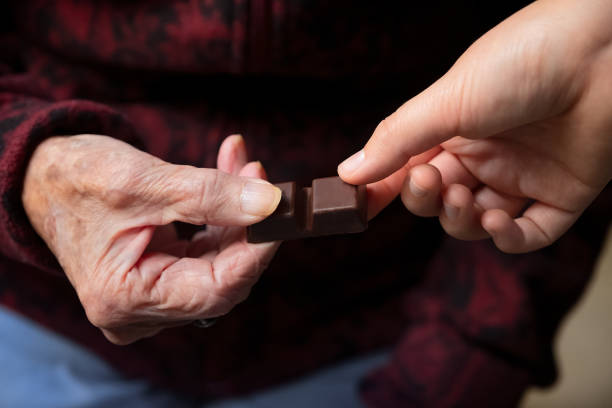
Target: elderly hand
105, 210
515, 141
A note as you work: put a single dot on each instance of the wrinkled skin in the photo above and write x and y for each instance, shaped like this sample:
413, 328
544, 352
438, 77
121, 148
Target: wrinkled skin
515, 141
105, 210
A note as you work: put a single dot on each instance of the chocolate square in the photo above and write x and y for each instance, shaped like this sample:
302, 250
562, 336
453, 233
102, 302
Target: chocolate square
337, 207
330, 206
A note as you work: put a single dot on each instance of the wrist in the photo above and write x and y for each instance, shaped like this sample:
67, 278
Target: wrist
42, 169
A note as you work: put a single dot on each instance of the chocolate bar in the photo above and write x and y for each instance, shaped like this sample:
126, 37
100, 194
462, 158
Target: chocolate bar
330, 206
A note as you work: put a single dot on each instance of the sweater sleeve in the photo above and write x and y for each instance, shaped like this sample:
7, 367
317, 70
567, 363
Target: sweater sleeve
25, 121
482, 323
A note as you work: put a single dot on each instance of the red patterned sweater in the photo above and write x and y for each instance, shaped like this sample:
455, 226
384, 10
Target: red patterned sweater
305, 81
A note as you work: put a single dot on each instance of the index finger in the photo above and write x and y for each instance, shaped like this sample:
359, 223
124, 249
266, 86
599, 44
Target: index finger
382, 192
417, 126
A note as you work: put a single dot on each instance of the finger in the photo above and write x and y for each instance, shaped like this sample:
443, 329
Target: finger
424, 157
419, 125
126, 248
381, 193
190, 288
453, 171
539, 226
254, 169
170, 288
132, 332
460, 217
208, 243
488, 199
208, 196
207, 240
127, 335
240, 264
164, 288
232, 154
229, 235
193, 288
462, 210
421, 191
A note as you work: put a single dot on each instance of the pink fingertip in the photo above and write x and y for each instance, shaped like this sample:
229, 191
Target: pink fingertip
253, 169
348, 167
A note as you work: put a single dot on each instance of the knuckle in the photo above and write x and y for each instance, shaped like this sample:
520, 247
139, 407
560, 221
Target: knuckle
189, 304
420, 207
451, 100
389, 141
241, 296
101, 311
129, 334
218, 303
408, 200
533, 55
457, 111
199, 189
225, 307
243, 276
461, 228
226, 299
384, 133
449, 228
507, 247
385, 126
117, 339
209, 187
122, 341
211, 194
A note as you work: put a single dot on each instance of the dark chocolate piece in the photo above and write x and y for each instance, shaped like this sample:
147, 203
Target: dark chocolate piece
330, 206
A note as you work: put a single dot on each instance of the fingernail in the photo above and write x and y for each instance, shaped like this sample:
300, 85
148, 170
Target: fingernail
351, 164
416, 190
259, 198
451, 211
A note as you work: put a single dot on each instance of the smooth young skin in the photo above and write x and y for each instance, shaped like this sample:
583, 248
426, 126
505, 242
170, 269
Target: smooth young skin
104, 208
515, 141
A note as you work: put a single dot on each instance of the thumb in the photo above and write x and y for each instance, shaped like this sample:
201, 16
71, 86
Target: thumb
511, 76
210, 196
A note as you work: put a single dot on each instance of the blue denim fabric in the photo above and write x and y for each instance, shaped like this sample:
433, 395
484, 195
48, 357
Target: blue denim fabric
40, 369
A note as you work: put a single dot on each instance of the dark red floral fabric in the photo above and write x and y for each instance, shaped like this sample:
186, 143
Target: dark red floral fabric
305, 81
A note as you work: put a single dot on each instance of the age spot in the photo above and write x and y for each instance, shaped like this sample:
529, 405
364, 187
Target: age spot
52, 173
